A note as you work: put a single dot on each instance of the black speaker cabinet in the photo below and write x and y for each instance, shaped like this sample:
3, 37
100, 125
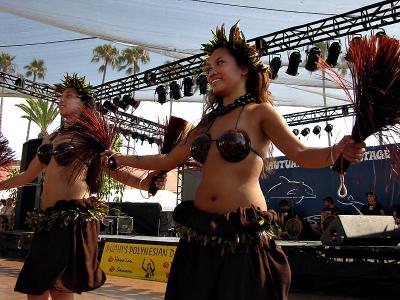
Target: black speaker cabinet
28, 195
361, 230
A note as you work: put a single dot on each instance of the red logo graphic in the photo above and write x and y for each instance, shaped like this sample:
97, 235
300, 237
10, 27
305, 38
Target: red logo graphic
112, 269
166, 264
110, 259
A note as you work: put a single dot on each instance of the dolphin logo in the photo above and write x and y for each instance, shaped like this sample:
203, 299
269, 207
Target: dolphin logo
294, 190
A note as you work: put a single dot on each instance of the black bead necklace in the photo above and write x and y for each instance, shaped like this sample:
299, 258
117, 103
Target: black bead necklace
221, 110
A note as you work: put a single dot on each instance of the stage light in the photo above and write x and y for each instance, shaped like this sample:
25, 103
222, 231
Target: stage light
188, 87
296, 132
312, 59
202, 83
162, 94
328, 128
345, 110
381, 32
128, 100
19, 82
294, 62
317, 130
150, 78
175, 90
135, 135
108, 106
305, 131
116, 100
274, 67
333, 54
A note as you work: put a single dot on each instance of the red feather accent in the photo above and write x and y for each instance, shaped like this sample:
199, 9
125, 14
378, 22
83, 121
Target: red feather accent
374, 63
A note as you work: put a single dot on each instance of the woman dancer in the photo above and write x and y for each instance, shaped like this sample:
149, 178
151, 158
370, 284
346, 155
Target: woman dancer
225, 250
63, 254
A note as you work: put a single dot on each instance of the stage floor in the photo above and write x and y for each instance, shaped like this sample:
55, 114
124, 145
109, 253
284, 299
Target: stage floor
115, 287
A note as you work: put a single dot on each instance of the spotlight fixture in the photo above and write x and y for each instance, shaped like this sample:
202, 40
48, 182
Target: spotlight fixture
305, 131
150, 78
174, 90
108, 106
333, 53
128, 100
294, 62
202, 83
345, 110
162, 94
100, 107
187, 86
116, 100
328, 128
381, 32
19, 82
312, 59
274, 67
317, 130
296, 132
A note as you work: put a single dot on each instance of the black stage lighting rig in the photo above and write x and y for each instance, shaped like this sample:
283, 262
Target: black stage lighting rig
175, 90
334, 51
202, 83
161, 94
188, 86
274, 67
294, 62
312, 59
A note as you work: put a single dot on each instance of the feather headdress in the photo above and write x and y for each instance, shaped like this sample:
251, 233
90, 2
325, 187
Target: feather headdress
237, 43
83, 87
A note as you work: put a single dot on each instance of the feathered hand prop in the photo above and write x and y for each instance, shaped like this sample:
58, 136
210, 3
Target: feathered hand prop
92, 135
175, 131
375, 68
6, 154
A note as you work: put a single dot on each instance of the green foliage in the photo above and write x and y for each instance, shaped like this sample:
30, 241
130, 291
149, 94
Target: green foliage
6, 63
36, 68
110, 185
40, 112
130, 58
108, 54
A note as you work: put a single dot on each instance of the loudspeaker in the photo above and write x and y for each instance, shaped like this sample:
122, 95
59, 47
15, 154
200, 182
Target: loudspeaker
146, 216
361, 230
28, 195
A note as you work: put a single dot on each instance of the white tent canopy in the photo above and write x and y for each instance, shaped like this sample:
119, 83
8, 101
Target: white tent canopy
175, 28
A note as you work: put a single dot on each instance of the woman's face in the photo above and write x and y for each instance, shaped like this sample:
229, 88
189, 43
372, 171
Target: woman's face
225, 76
69, 103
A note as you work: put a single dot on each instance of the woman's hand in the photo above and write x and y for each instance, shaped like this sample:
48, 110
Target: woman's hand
160, 181
109, 159
353, 152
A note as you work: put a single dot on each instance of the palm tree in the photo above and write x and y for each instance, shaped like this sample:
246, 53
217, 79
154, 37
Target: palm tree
107, 53
40, 112
6, 66
130, 58
38, 70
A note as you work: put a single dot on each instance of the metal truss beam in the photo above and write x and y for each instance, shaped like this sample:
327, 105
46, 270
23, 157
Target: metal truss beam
320, 115
369, 17
47, 92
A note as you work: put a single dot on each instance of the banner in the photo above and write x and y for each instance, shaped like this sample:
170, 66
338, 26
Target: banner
142, 261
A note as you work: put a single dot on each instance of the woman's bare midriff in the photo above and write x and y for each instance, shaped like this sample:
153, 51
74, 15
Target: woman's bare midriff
227, 188
58, 185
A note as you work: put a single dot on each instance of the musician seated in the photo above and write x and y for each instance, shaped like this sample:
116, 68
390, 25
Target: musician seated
289, 221
328, 214
7, 215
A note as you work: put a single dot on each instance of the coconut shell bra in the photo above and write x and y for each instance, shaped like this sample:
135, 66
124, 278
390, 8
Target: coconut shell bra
234, 145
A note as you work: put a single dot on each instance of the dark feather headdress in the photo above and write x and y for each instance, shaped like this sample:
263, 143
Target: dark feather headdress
237, 43
374, 63
83, 87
